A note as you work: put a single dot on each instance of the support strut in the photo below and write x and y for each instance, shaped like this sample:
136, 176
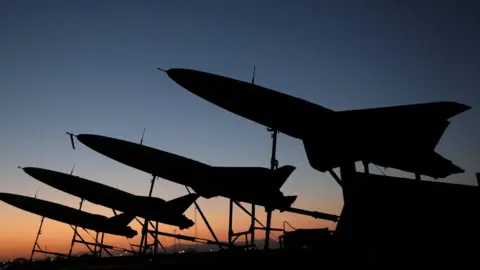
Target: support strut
74, 232
144, 238
35, 245
273, 166
206, 221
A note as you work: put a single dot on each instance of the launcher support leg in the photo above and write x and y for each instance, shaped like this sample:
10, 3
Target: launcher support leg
267, 229
230, 224
252, 228
83, 240
155, 236
101, 246
206, 221
143, 240
75, 232
36, 239
248, 213
365, 165
273, 166
347, 171
96, 245
335, 176
155, 247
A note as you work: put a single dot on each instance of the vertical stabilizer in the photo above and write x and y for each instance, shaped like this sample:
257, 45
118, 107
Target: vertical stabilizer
181, 204
281, 175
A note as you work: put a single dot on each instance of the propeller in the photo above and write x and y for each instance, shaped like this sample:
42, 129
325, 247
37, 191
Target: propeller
71, 139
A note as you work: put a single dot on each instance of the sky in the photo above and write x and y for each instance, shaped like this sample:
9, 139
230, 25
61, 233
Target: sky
90, 67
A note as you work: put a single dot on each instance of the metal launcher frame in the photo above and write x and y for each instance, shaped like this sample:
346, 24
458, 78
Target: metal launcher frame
155, 233
346, 171
96, 244
232, 237
144, 246
37, 249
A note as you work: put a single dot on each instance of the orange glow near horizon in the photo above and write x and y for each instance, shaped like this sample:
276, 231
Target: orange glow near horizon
18, 228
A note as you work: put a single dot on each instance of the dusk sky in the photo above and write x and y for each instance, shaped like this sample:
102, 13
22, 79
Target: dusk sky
90, 67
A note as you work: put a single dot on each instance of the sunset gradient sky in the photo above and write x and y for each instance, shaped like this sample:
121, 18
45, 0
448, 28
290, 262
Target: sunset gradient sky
90, 67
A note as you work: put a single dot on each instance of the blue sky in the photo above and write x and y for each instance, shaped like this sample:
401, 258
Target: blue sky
90, 67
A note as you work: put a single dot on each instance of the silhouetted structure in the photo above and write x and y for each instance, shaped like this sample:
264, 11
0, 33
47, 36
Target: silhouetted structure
307, 238
117, 225
151, 208
378, 210
207, 181
389, 215
394, 218
405, 142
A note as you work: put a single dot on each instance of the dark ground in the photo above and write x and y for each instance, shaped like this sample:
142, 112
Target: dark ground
205, 260
268, 260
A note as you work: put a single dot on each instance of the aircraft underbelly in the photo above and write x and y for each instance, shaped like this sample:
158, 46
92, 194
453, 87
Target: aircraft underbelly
407, 146
325, 157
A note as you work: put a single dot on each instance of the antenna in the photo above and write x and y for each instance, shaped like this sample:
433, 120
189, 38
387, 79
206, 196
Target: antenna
253, 77
71, 172
143, 134
36, 193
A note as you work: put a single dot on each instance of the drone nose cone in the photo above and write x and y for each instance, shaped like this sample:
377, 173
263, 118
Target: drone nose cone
174, 72
33, 172
191, 80
92, 141
178, 75
8, 197
85, 138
